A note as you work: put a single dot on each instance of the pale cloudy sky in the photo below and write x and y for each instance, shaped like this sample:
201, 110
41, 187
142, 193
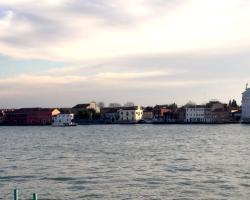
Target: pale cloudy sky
63, 52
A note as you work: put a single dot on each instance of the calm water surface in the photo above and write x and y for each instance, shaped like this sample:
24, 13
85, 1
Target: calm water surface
126, 162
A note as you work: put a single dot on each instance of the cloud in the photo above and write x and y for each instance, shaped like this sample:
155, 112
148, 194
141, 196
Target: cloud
146, 79
145, 88
126, 47
79, 31
130, 75
76, 78
46, 81
63, 70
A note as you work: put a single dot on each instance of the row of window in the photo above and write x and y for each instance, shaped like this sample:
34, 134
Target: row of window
64, 115
201, 115
196, 120
195, 109
137, 112
64, 120
127, 119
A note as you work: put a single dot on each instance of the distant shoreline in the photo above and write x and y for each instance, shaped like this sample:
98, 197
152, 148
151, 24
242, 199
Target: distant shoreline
132, 124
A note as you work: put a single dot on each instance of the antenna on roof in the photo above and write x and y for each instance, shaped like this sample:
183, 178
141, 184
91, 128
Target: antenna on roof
246, 86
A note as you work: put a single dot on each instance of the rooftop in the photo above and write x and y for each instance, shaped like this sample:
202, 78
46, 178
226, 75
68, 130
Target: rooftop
83, 105
129, 108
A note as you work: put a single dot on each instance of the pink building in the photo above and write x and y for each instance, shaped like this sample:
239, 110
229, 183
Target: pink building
31, 116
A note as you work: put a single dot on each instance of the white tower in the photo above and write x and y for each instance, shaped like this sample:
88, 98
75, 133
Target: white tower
246, 106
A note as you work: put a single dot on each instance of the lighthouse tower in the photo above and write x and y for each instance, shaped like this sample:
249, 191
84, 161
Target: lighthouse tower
246, 105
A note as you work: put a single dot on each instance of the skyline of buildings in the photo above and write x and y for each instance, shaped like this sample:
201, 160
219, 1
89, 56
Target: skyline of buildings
93, 113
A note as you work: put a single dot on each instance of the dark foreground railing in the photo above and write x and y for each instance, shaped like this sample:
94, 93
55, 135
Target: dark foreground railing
16, 196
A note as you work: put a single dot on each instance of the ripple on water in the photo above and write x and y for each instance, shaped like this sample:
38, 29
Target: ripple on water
17, 178
126, 162
247, 185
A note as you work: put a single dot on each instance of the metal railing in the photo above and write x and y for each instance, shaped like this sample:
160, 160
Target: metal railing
16, 196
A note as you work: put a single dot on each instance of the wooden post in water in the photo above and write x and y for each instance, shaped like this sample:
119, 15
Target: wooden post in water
15, 194
34, 196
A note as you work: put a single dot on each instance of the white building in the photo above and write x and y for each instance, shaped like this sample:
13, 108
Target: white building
63, 120
195, 114
1, 116
131, 114
246, 106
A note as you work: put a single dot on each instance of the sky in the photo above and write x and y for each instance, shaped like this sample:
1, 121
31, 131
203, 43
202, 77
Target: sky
57, 53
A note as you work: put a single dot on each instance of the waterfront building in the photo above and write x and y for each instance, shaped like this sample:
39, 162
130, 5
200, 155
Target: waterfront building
31, 116
181, 115
212, 112
195, 114
217, 112
131, 114
86, 106
110, 114
246, 106
170, 117
159, 111
148, 113
64, 119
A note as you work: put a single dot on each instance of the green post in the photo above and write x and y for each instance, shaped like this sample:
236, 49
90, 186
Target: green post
34, 196
15, 194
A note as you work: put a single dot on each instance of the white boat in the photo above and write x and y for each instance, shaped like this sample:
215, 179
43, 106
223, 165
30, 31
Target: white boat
63, 120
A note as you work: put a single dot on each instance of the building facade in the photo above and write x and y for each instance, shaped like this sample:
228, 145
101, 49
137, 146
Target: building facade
159, 111
195, 114
217, 112
130, 114
148, 114
181, 115
31, 116
212, 112
245, 115
110, 115
170, 117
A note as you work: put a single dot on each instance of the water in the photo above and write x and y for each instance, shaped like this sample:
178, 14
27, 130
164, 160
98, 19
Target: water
126, 162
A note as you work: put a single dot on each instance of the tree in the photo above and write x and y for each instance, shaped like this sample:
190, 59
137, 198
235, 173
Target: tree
190, 103
234, 104
101, 104
172, 106
114, 105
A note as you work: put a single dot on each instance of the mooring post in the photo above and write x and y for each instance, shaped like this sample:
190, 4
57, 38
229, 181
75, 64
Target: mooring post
15, 194
34, 196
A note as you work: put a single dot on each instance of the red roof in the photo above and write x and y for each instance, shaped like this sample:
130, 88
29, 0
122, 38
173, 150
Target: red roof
32, 110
